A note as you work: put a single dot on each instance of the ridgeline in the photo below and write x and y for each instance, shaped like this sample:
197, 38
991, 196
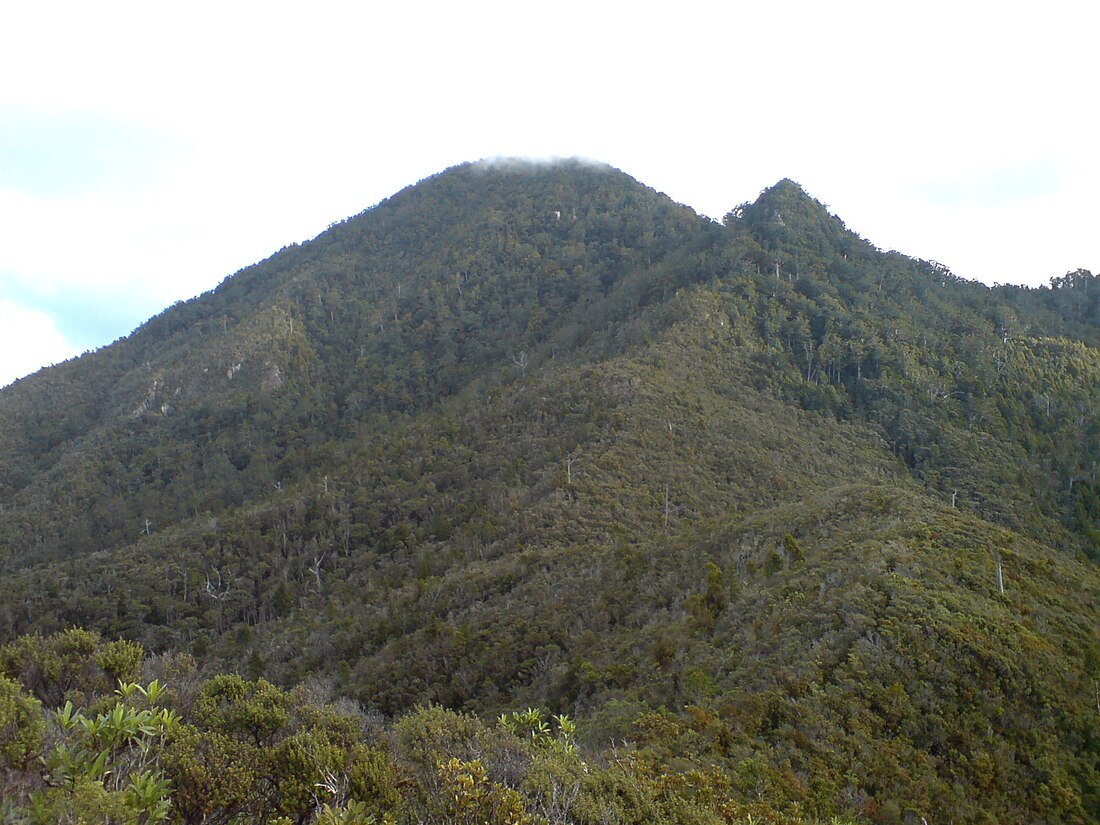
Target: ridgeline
792, 527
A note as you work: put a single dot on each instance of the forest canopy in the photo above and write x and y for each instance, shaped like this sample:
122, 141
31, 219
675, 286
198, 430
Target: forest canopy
784, 525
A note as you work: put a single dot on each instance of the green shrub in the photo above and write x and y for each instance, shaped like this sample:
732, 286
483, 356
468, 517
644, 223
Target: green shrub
372, 779
213, 775
252, 711
71, 664
21, 725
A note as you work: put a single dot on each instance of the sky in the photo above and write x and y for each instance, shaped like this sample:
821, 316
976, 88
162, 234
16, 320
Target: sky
149, 150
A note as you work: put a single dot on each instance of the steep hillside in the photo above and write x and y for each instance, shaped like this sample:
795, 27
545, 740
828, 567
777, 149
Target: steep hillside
755, 499
987, 397
217, 400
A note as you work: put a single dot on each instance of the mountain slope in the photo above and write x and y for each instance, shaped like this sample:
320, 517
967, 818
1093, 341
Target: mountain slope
738, 495
447, 281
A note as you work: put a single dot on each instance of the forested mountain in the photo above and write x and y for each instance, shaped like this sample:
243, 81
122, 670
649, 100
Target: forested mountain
810, 527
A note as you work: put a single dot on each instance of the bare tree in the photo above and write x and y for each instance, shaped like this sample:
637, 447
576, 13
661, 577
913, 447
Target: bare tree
569, 469
219, 592
315, 569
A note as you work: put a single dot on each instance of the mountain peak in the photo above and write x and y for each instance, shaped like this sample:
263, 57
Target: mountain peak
505, 183
783, 200
522, 169
789, 187
784, 214
536, 420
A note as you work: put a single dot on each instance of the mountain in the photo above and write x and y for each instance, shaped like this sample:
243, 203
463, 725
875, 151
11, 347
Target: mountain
755, 500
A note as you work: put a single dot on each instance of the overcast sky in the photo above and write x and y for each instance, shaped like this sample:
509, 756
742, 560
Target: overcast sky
147, 150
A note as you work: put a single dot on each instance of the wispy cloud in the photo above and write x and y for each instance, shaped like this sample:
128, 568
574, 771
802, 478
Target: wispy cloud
995, 186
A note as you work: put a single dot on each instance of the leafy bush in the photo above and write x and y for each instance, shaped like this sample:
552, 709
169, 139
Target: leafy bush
22, 727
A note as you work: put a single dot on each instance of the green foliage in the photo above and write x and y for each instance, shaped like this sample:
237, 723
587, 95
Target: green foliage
558, 734
84, 803
72, 663
21, 726
733, 496
214, 776
119, 742
305, 766
138, 764
353, 813
425, 735
252, 711
148, 794
793, 551
257, 751
468, 797
372, 780
102, 767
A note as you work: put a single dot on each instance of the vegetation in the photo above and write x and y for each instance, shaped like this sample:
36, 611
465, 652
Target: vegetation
226, 749
528, 495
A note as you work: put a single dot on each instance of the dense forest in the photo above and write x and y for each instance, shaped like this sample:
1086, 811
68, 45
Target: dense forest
529, 495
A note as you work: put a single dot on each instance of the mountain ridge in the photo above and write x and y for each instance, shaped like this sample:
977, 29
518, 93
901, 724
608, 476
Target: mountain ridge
738, 493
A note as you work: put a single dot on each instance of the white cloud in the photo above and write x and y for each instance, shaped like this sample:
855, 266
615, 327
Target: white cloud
28, 341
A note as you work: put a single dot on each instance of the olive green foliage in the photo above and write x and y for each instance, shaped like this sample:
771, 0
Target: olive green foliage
557, 734
141, 762
21, 725
739, 499
257, 751
469, 797
107, 765
66, 664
